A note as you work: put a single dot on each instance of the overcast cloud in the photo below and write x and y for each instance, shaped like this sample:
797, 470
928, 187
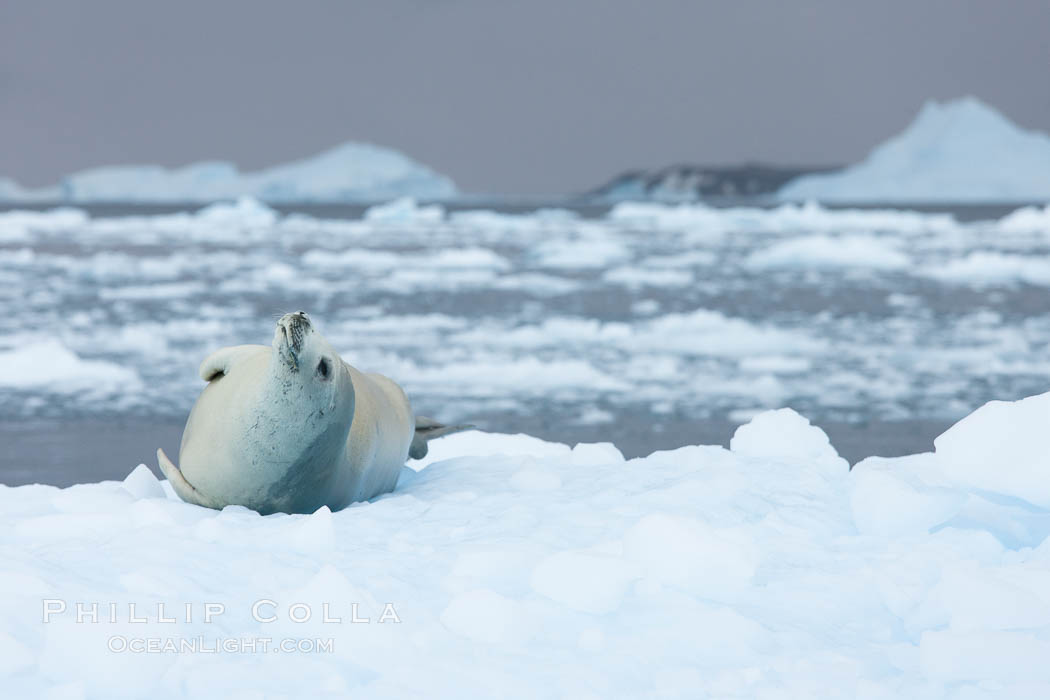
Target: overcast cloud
534, 97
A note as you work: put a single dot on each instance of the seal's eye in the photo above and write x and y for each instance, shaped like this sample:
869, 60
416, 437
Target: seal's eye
323, 368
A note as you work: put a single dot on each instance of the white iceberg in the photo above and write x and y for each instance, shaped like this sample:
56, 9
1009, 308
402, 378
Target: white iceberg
11, 191
352, 172
957, 151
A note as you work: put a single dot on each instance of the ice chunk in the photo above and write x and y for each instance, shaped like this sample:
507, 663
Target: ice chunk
579, 254
404, 210
1026, 220
637, 278
824, 251
245, 213
1002, 447
785, 436
985, 268
142, 483
48, 363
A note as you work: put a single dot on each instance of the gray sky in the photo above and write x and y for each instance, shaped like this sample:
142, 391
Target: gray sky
531, 96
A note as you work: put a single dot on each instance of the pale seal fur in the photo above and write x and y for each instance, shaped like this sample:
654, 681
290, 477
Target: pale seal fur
291, 428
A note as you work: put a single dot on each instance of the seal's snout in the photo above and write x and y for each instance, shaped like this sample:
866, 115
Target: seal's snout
291, 330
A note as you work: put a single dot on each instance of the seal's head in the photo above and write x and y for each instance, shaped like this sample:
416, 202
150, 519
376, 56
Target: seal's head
303, 360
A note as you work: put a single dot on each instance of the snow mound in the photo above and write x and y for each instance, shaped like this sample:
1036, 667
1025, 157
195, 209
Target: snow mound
764, 570
351, 172
960, 151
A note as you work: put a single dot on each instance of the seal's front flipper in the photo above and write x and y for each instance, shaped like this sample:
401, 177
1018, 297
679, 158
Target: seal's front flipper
221, 362
178, 482
428, 429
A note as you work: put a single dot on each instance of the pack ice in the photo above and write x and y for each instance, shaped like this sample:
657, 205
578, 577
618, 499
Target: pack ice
506, 566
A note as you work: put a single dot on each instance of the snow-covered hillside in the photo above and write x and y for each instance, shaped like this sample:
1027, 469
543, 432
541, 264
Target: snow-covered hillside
512, 567
957, 151
352, 172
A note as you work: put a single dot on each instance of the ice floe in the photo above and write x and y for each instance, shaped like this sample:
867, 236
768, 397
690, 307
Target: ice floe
523, 568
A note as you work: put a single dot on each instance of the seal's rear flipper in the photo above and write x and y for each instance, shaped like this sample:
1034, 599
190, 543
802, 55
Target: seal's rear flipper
428, 429
178, 482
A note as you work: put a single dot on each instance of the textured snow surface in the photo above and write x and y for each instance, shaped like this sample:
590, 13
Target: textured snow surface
957, 151
351, 172
651, 309
521, 568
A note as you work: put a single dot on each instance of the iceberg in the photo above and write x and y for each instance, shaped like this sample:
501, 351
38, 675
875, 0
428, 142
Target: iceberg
352, 172
11, 191
958, 151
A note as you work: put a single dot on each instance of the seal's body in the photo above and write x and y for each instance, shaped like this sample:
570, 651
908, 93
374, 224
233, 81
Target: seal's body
291, 428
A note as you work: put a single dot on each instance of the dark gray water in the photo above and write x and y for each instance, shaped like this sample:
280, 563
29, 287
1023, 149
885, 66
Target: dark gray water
519, 205
71, 451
